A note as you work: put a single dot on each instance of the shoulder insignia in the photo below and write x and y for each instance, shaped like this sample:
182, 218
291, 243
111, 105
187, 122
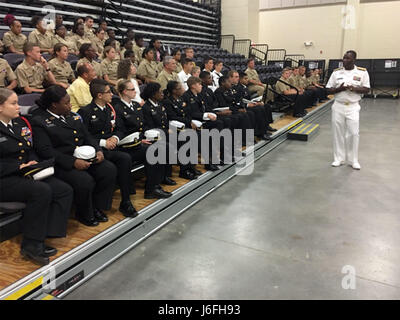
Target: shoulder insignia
338, 69
184, 104
362, 69
76, 118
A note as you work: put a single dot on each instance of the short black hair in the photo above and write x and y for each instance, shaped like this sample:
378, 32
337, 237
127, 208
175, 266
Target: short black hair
97, 86
88, 17
138, 37
51, 95
108, 42
353, 53
185, 61
146, 51
242, 74
150, 90
35, 20
204, 74
222, 80
82, 69
207, 59
128, 54
84, 47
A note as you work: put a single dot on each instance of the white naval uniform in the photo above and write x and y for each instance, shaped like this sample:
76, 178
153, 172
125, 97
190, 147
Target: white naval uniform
346, 113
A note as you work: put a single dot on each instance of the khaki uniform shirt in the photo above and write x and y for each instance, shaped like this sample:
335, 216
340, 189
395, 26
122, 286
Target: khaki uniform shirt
30, 76
281, 87
178, 67
89, 34
11, 39
78, 40
110, 68
164, 77
138, 53
95, 64
147, 69
252, 74
67, 41
98, 45
294, 81
302, 81
6, 73
44, 41
62, 71
79, 91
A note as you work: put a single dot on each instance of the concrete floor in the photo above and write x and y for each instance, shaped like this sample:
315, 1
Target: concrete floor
284, 232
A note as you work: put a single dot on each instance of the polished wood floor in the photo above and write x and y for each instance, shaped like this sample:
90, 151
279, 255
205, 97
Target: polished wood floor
14, 267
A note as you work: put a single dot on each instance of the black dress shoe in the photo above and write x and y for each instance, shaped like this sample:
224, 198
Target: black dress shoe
49, 251
35, 255
188, 175
92, 222
169, 182
157, 194
195, 171
269, 128
100, 216
211, 167
266, 136
128, 209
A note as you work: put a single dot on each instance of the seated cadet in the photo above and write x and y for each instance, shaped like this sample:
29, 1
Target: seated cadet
196, 72
32, 72
48, 202
299, 99
159, 54
14, 40
61, 37
296, 81
185, 74
103, 124
103, 26
138, 48
6, 73
60, 67
208, 65
230, 121
177, 55
312, 92
78, 36
200, 111
178, 110
155, 117
189, 54
88, 28
147, 70
57, 134
312, 83
127, 71
126, 45
130, 35
216, 74
59, 21
226, 99
168, 73
132, 120
113, 43
98, 41
109, 66
111, 36
87, 54
129, 54
255, 84
256, 113
41, 37
79, 90
243, 93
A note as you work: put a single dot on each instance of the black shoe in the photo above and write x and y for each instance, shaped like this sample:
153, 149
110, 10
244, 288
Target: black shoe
49, 251
211, 167
266, 136
128, 209
269, 128
298, 115
195, 171
188, 175
100, 216
169, 182
157, 194
92, 222
36, 255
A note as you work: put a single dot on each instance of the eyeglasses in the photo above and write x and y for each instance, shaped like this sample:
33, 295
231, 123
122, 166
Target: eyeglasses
130, 89
109, 91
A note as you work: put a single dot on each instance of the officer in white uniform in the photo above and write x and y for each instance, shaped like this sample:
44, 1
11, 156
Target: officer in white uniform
348, 84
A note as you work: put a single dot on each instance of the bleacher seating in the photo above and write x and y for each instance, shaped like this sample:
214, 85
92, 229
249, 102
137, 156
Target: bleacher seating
170, 20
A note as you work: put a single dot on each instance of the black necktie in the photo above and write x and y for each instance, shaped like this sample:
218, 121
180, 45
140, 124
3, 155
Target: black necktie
10, 128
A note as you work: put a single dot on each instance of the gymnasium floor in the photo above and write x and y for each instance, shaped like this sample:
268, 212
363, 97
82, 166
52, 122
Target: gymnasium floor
284, 232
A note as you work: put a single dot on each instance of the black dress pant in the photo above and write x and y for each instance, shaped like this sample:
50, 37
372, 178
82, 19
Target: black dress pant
48, 205
260, 120
154, 172
93, 188
300, 104
123, 162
